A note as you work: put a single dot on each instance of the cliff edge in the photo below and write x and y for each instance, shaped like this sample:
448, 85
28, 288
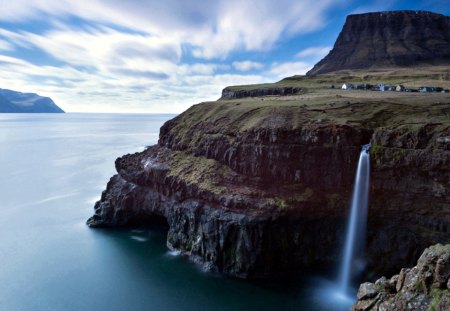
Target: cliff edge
256, 189
257, 184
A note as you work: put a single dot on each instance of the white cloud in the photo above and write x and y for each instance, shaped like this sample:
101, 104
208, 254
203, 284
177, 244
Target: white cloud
201, 69
282, 70
246, 65
250, 25
214, 29
76, 90
130, 55
5, 46
317, 52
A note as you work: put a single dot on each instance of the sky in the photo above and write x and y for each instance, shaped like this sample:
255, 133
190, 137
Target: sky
142, 56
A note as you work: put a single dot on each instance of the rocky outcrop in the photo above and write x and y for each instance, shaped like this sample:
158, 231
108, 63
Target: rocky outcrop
273, 153
387, 40
423, 287
233, 227
236, 92
267, 199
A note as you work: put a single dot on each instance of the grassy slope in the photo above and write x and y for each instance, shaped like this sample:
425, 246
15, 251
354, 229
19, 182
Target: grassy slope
366, 108
414, 77
319, 105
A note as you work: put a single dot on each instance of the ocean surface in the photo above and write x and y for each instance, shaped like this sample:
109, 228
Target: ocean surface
53, 168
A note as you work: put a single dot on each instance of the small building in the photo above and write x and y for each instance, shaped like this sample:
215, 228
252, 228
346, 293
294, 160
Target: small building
427, 89
400, 88
378, 87
347, 86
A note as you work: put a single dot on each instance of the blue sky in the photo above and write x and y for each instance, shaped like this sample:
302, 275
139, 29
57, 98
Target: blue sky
164, 56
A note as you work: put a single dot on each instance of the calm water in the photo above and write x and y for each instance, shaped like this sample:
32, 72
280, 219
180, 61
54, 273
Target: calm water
53, 169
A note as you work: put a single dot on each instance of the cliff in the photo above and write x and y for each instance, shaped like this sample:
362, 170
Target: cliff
256, 189
389, 40
257, 184
17, 102
230, 93
426, 286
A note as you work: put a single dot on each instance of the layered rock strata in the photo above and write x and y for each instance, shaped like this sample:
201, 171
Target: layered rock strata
389, 40
256, 192
236, 92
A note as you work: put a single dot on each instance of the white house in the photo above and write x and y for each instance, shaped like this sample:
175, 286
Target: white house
347, 86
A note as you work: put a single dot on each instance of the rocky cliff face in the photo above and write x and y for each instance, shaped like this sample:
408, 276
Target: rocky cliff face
423, 287
258, 191
236, 92
389, 39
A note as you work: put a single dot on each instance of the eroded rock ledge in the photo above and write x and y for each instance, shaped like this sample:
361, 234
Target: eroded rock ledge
235, 92
256, 191
423, 287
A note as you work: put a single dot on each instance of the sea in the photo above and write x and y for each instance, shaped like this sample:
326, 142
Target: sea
53, 169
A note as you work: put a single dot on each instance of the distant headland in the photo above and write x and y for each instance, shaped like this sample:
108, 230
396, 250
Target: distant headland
17, 102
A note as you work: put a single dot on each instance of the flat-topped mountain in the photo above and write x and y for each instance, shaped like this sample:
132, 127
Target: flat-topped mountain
389, 39
17, 102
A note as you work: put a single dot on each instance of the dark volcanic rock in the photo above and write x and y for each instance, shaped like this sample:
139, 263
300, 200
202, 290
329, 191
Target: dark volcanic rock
422, 287
273, 154
213, 229
235, 92
17, 102
389, 39
259, 188
224, 209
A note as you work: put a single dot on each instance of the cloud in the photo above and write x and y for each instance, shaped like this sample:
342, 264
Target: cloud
282, 70
256, 26
212, 29
5, 46
246, 65
158, 56
201, 69
75, 90
317, 52
150, 75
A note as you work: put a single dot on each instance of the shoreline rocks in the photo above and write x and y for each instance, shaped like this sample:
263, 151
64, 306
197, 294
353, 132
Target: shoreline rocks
423, 287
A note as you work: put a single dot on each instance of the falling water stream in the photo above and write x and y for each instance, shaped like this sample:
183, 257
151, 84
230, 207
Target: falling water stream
355, 238
340, 295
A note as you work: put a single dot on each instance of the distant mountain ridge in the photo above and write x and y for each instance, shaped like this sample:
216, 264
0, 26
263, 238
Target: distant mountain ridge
17, 102
389, 39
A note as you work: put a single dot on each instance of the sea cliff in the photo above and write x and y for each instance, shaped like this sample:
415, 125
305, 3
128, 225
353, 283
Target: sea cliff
260, 188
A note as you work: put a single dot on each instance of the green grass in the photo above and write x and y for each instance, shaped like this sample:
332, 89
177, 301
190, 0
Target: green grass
436, 296
204, 173
409, 77
227, 119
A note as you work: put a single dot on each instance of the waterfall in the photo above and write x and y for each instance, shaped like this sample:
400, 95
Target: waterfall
356, 235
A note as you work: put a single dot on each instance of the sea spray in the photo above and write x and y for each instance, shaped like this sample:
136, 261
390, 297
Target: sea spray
356, 229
